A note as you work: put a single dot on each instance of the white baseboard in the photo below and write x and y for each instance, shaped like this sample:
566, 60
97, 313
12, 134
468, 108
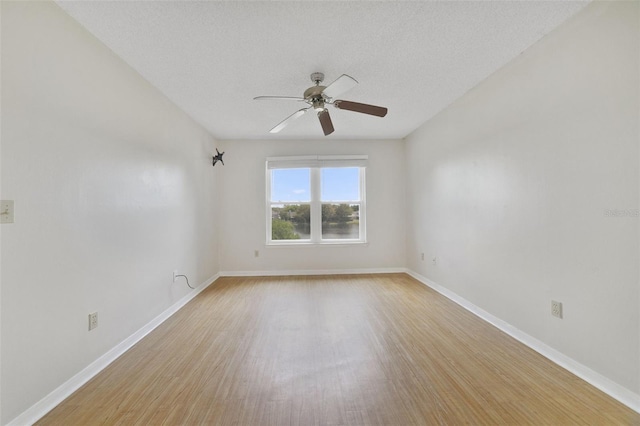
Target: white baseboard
611, 388
49, 402
312, 272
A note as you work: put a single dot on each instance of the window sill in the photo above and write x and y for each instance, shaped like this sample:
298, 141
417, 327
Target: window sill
322, 244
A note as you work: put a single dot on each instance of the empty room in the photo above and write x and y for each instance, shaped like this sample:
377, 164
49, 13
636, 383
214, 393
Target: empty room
319, 213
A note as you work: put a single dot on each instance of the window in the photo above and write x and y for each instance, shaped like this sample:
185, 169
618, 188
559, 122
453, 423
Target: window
316, 200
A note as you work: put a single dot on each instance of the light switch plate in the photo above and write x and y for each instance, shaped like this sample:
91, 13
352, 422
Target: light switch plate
6, 211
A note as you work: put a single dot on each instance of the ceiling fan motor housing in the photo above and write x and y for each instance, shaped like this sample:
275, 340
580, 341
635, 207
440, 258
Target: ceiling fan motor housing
313, 92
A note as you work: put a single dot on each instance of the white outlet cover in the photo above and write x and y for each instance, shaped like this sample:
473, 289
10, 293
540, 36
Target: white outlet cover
93, 320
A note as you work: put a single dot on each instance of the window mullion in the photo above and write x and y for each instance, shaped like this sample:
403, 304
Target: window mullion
362, 215
316, 206
268, 181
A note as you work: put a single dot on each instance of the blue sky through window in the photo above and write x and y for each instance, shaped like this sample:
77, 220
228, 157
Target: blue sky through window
338, 184
290, 185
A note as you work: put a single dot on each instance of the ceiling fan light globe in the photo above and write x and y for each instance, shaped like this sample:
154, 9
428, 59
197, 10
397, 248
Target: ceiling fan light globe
318, 104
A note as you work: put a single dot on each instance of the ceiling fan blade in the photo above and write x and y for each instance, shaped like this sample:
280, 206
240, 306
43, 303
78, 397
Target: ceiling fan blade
363, 108
341, 85
325, 122
288, 120
277, 98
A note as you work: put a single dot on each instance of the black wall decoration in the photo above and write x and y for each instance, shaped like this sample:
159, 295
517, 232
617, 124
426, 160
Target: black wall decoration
218, 157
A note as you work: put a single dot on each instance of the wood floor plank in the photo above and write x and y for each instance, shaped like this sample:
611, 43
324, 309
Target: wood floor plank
332, 350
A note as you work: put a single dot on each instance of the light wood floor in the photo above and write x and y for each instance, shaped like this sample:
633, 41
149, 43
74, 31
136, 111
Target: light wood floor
332, 350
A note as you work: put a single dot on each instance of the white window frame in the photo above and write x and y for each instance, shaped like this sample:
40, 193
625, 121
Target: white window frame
315, 164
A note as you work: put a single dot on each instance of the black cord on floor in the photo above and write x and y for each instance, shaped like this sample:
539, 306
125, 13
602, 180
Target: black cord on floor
185, 277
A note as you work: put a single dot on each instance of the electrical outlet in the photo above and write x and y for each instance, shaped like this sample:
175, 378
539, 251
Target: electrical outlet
256, 253
422, 256
434, 260
93, 321
556, 309
175, 273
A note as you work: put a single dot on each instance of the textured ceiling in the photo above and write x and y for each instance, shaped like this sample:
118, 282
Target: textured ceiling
211, 58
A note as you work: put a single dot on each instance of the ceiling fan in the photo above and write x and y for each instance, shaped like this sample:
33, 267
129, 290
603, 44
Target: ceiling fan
318, 97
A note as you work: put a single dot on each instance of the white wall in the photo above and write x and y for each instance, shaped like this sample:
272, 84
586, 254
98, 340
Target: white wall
113, 189
508, 189
0, 226
243, 214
